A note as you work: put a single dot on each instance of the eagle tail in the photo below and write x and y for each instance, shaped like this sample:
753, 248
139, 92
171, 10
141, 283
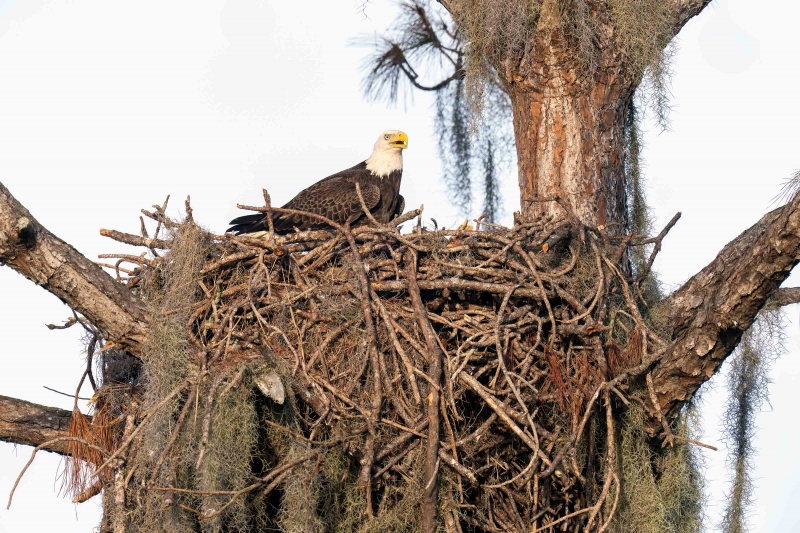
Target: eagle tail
248, 224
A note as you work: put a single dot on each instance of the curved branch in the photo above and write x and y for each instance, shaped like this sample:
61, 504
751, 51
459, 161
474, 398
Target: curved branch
31, 424
30, 249
712, 310
457, 74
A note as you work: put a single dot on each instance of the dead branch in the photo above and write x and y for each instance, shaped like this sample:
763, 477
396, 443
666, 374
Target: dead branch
135, 240
787, 296
44, 446
435, 356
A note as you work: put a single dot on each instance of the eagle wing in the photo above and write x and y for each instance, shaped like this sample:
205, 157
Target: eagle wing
334, 198
399, 206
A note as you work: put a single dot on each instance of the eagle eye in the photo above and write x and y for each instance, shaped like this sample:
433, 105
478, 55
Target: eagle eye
386, 137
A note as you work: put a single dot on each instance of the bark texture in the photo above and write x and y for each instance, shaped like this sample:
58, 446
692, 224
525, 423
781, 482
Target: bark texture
683, 10
570, 145
569, 101
569, 123
30, 424
711, 311
30, 249
786, 296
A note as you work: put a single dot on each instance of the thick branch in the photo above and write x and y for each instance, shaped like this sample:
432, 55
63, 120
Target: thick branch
786, 296
430, 502
30, 249
30, 424
712, 310
684, 10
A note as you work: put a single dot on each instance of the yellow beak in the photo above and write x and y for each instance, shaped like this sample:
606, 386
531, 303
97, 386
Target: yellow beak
400, 140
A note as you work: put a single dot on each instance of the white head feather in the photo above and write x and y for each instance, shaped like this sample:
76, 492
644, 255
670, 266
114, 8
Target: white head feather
387, 156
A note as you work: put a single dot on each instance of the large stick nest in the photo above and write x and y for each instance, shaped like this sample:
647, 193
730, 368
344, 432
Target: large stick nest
380, 379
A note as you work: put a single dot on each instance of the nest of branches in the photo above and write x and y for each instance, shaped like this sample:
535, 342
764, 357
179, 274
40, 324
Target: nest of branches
366, 379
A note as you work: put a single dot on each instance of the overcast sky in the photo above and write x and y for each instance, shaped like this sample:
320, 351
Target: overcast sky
107, 107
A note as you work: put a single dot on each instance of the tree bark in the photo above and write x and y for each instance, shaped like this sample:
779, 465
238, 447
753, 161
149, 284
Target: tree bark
569, 144
712, 310
569, 113
569, 123
684, 10
30, 424
30, 249
786, 296
430, 500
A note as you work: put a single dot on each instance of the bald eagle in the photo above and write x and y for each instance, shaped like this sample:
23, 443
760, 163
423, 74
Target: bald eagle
335, 197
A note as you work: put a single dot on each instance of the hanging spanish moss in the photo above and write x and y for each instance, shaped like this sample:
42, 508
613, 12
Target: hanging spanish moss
455, 143
474, 132
491, 188
654, 91
660, 493
748, 382
643, 29
639, 215
473, 157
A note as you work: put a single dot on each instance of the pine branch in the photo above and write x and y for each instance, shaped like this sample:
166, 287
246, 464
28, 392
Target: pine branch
31, 424
684, 10
31, 250
712, 310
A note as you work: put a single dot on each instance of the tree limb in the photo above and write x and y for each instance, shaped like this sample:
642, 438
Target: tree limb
429, 505
786, 296
684, 10
30, 249
30, 424
712, 310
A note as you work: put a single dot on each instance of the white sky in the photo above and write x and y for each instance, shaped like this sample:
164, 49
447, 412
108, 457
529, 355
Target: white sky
107, 107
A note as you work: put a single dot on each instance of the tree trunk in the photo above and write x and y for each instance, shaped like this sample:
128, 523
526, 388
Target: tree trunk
712, 310
569, 144
569, 121
570, 110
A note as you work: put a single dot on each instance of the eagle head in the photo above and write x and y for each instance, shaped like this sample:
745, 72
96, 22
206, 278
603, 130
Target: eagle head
392, 140
387, 156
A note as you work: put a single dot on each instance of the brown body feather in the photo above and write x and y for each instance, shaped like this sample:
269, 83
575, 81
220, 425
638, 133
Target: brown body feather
334, 198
